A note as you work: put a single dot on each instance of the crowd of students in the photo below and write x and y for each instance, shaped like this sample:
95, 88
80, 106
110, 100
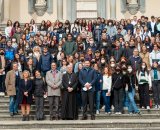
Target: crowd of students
99, 62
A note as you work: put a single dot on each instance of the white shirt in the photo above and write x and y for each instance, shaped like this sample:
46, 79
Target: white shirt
107, 82
134, 23
152, 25
8, 31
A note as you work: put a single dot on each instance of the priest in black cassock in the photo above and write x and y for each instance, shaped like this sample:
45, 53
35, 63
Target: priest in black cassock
69, 82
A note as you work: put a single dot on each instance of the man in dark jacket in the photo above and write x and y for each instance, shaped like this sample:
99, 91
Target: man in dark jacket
117, 52
69, 47
45, 61
87, 78
135, 60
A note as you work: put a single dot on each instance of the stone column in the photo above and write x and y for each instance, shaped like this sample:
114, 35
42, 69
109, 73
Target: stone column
6, 10
142, 4
60, 9
73, 10
69, 9
101, 8
113, 9
1, 10
50, 6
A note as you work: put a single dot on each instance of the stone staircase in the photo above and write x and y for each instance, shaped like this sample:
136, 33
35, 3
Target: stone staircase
149, 120
2, 28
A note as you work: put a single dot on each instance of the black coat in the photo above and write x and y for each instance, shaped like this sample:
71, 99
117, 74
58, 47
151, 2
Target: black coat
25, 88
73, 80
39, 87
118, 81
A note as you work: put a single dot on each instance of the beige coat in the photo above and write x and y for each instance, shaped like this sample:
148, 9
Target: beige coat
57, 81
10, 83
145, 58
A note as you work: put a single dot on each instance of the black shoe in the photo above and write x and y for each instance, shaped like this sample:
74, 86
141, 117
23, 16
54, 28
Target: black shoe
139, 113
92, 117
27, 118
84, 118
16, 113
24, 118
56, 118
11, 114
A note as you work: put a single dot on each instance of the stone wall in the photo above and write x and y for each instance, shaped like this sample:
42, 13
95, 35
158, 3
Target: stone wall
18, 10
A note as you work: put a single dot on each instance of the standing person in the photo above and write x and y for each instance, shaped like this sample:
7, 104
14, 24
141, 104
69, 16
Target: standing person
54, 81
135, 60
69, 47
2, 72
69, 81
87, 78
155, 74
144, 84
106, 88
118, 89
144, 54
98, 84
155, 54
25, 95
12, 82
131, 83
39, 91
45, 61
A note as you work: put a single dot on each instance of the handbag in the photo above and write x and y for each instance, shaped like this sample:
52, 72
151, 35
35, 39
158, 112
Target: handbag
115, 83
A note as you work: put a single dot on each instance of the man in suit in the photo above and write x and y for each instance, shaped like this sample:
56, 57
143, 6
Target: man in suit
87, 78
54, 81
11, 82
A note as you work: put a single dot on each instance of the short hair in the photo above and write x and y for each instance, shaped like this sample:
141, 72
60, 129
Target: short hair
14, 63
54, 63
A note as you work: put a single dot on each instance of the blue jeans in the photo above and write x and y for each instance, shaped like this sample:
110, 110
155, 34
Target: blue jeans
106, 100
13, 103
132, 105
98, 96
126, 100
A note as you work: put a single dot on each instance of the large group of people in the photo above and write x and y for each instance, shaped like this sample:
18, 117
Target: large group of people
88, 64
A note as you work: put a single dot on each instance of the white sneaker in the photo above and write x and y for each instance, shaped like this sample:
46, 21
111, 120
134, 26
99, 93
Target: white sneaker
119, 113
2, 94
97, 112
142, 107
103, 107
109, 113
148, 108
116, 113
156, 107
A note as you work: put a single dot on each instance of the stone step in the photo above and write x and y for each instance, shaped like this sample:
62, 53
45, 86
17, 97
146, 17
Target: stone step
148, 128
143, 111
7, 117
112, 123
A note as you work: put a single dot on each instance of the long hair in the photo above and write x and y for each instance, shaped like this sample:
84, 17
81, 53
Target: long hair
145, 70
109, 70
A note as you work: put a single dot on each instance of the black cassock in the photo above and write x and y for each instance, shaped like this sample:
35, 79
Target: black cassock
69, 108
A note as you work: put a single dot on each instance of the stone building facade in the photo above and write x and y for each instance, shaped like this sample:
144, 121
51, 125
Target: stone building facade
24, 10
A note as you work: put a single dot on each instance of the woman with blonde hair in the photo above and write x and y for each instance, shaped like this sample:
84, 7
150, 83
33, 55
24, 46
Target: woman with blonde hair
25, 95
